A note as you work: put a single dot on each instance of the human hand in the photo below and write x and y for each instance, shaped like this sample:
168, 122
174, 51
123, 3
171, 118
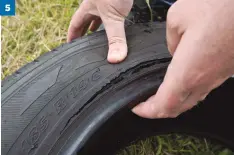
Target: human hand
112, 13
200, 36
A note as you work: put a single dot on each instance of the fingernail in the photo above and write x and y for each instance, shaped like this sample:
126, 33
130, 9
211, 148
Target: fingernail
136, 108
116, 56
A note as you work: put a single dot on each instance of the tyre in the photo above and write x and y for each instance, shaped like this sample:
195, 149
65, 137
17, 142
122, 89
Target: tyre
72, 101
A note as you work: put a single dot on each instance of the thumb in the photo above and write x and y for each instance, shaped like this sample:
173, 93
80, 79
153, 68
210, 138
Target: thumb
165, 103
178, 85
174, 30
116, 39
113, 17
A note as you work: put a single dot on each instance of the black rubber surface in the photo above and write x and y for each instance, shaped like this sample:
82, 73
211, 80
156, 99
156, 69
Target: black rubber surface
40, 99
114, 126
72, 91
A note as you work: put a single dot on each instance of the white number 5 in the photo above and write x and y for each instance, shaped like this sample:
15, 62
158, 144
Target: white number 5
7, 7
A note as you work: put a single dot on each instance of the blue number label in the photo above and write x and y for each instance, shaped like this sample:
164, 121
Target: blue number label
7, 7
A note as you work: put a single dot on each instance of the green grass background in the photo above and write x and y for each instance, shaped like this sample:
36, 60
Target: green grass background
41, 25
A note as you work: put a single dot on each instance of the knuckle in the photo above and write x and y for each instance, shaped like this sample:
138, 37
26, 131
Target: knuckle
122, 7
190, 82
193, 80
172, 19
188, 86
170, 108
115, 10
114, 40
169, 112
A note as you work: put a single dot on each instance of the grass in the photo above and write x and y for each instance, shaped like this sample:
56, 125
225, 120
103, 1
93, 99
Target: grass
41, 25
38, 27
175, 145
